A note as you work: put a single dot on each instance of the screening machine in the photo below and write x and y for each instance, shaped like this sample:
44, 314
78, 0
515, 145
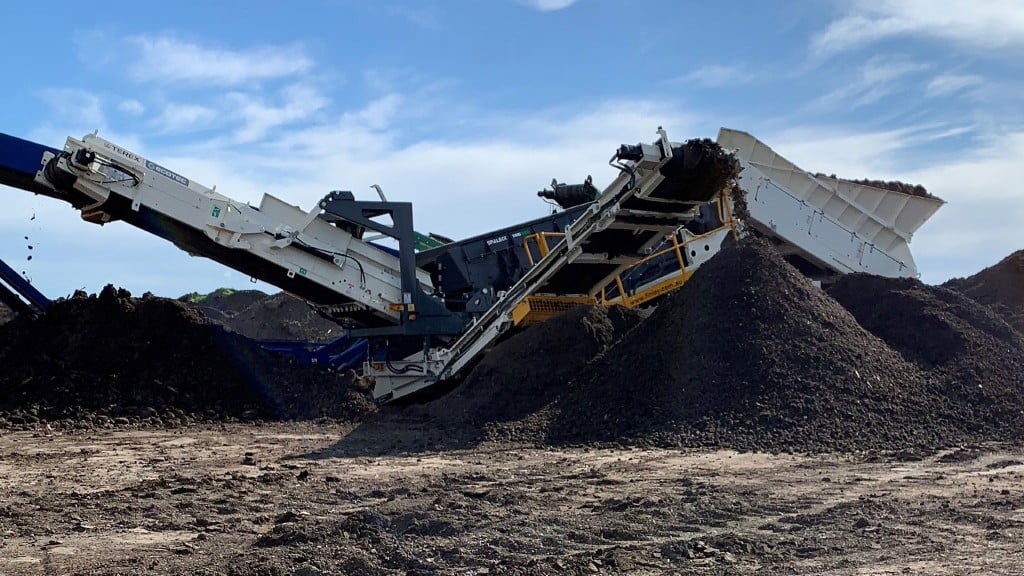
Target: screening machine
418, 317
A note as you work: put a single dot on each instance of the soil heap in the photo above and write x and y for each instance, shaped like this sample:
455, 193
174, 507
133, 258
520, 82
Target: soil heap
282, 316
529, 370
1000, 286
91, 359
972, 358
748, 355
261, 316
223, 303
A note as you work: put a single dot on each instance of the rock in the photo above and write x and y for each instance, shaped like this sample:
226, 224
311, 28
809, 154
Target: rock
308, 570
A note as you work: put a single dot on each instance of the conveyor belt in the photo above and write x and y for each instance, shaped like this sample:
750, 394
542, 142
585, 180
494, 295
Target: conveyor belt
12, 285
657, 192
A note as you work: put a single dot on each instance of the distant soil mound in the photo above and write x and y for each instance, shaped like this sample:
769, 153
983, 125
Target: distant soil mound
282, 316
748, 355
1000, 286
261, 316
973, 358
223, 303
91, 359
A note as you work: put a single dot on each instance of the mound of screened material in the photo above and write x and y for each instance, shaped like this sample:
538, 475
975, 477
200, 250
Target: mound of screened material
1000, 286
529, 370
114, 358
747, 355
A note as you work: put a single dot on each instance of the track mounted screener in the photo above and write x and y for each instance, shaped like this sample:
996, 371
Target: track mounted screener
425, 312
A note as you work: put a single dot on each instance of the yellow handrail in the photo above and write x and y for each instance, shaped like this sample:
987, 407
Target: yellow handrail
541, 238
631, 300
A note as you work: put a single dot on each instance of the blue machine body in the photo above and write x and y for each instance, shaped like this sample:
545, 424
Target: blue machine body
343, 353
19, 162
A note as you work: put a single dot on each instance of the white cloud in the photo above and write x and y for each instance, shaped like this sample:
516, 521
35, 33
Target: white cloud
548, 5
167, 59
80, 106
716, 75
421, 17
379, 113
131, 107
72, 112
946, 84
184, 118
298, 102
980, 25
487, 181
877, 78
981, 223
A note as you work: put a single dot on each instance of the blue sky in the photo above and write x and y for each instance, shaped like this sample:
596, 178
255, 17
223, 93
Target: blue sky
467, 107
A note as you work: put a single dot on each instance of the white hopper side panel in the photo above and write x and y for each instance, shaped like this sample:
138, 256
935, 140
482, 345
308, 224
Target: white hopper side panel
812, 233
885, 219
906, 213
881, 216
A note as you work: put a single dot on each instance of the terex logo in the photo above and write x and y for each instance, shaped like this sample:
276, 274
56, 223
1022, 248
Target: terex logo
129, 155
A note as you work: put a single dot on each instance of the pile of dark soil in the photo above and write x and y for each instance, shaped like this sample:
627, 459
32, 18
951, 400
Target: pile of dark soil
261, 316
282, 316
223, 303
703, 169
93, 360
529, 370
1000, 286
893, 185
748, 355
973, 359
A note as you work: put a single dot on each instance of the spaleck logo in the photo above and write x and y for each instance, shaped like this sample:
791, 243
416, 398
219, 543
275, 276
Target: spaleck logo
129, 155
504, 238
167, 173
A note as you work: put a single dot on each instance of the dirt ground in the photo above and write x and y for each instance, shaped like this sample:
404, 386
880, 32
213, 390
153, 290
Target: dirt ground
306, 499
133, 441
